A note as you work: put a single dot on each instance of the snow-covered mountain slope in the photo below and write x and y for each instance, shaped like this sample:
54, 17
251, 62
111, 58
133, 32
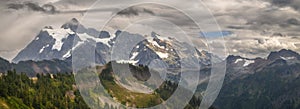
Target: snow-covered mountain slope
59, 43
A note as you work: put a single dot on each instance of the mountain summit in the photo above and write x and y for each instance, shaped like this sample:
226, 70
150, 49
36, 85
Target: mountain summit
58, 43
52, 43
284, 54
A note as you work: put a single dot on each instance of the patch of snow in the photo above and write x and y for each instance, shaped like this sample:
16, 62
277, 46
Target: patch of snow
156, 44
246, 62
127, 61
58, 35
137, 46
134, 55
238, 60
41, 50
85, 37
77, 45
162, 55
68, 54
287, 58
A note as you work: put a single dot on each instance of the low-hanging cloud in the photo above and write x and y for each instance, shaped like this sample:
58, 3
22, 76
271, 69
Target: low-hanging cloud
293, 21
134, 11
46, 8
51, 9
287, 3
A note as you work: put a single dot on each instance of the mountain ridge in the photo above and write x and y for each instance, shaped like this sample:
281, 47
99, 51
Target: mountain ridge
59, 44
270, 83
32, 68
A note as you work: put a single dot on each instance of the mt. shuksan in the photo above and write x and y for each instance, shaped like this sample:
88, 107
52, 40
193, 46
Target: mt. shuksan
53, 43
58, 43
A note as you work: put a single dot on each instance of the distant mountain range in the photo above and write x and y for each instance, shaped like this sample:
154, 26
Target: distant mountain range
271, 83
239, 67
57, 45
31, 68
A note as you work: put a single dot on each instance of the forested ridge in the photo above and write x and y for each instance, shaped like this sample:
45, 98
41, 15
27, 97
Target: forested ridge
54, 91
18, 91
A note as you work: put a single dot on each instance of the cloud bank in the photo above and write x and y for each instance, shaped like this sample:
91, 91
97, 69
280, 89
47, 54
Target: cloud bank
257, 26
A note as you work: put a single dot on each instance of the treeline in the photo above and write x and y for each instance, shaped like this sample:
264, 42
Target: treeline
43, 92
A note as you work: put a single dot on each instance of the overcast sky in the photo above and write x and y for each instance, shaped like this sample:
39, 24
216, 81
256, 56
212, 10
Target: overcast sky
259, 26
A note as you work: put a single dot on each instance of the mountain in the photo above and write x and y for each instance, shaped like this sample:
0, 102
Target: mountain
284, 54
271, 83
4, 65
59, 43
31, 68
239, 67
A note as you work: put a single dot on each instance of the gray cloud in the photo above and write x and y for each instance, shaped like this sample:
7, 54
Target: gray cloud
47, 8
284, 3
235, 27
67, 3
52, 9
259, 25
293, 21
260, 18
134, 11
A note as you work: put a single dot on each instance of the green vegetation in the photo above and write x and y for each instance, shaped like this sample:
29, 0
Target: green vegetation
141, 100
125, 96
58, 91
20, 92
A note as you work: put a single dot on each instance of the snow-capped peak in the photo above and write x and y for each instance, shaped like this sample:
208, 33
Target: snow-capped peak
85, 37
58, 35
59, 43
246, 61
